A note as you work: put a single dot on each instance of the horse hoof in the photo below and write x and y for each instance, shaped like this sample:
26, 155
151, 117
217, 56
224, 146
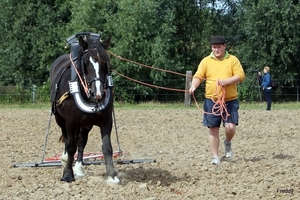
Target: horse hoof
79, 175
111, 180
68, 175
78, 169
67, 179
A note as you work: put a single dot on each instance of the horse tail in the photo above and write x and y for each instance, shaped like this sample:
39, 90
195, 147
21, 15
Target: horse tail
61, 139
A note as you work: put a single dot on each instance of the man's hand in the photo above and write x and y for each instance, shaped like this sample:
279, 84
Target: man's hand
192, 89
222, 82
195, 83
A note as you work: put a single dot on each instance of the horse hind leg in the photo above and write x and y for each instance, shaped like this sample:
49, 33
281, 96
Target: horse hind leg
82, 139
78, 168
61, 122
64, 155
64, 158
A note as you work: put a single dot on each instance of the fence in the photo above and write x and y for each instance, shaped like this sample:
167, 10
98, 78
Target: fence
247, 92
15, 94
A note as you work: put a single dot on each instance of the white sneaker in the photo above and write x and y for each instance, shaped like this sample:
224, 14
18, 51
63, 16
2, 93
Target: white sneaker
228, 149
215, 160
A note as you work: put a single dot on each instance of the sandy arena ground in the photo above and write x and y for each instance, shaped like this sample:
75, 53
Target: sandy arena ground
266, 162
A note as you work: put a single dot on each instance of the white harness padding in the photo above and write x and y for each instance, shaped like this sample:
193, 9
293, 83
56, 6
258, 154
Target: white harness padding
86, 106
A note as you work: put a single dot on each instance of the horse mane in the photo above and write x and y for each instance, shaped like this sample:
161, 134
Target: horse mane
95, 49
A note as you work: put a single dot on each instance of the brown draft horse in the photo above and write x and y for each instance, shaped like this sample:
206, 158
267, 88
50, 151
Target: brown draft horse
81, 96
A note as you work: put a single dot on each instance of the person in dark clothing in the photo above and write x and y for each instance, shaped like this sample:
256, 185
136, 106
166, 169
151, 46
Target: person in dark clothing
266, 85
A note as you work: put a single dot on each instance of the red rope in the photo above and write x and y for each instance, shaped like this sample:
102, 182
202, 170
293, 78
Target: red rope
84, 84
219, 104
151, 67
148, 84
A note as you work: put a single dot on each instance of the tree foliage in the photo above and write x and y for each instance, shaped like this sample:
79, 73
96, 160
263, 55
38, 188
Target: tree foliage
30, 40
170, 35
271, 36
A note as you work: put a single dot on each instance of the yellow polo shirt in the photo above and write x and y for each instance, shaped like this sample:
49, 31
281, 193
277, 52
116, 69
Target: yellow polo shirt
212, 69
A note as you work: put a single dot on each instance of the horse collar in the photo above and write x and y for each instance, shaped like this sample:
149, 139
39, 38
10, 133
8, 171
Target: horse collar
87, 106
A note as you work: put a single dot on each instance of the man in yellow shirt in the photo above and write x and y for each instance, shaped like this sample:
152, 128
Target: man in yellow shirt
225, 70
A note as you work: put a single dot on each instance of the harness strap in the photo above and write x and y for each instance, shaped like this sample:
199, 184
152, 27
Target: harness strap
84, 84
62, 98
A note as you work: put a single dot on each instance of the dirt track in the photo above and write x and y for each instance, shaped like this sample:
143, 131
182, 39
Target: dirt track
266, 162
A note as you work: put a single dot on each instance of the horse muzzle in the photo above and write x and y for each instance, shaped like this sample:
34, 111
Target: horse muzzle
96, 89
97, 96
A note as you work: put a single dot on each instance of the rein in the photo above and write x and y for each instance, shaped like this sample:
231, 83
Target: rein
84, 84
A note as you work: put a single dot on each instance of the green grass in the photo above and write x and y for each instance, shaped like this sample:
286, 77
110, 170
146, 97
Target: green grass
25, 105
155, 105
275, 106
151, 105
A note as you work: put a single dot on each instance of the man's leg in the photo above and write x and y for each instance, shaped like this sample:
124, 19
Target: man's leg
213, 123
230, 129
214, 140
230, 125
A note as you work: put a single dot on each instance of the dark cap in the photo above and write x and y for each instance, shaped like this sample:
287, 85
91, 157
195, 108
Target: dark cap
218, 39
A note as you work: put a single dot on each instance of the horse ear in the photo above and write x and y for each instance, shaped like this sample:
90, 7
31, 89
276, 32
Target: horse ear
83, 43
106, 43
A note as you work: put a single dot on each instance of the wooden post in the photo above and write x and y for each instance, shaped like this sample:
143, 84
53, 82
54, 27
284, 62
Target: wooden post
188, 82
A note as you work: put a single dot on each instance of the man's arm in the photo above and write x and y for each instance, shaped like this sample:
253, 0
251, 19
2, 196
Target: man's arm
195, 83
239, 74
229, 81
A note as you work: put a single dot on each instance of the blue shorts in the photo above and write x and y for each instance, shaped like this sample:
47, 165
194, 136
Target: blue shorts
211, 120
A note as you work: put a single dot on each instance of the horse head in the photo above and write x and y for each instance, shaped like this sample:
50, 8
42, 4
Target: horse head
94, 63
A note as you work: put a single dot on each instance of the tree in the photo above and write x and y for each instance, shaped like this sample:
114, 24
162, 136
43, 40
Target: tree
143, 32
170, 35
32, 40
270, 29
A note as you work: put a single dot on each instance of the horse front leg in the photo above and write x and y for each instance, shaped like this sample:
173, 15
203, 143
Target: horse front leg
107, 152
82, 139
71, 147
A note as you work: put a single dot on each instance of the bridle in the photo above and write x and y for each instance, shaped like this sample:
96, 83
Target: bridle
84, 64
85, 83
86, 106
